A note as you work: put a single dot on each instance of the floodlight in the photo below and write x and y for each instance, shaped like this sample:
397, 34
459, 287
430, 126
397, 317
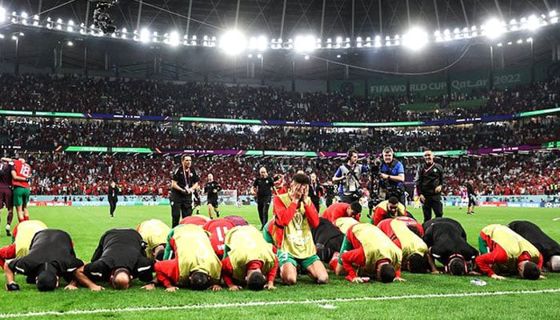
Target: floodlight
493, 28
533, 23
145, 35
2, 14
173, 39
258, 43
304, 43
415, 39
233, 42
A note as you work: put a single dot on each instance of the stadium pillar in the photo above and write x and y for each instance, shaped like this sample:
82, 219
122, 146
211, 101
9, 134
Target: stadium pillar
328, 78
16, 67
532, 61
189, 18
293, 74
85, 59
139, 15
491, 75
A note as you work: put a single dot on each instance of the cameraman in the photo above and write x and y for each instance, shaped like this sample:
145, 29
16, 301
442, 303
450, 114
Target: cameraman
348, 177
391, 177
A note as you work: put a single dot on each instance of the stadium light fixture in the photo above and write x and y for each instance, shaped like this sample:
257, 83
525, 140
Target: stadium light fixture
144, 35
259, 43
36, 20
173, 38
377, 41
233, 42
24, 16
493, 28
70, 44
1, 36
59, 24
306, 57
2, 14
553, 16
304, 43
70, 26
533, 23
415, 39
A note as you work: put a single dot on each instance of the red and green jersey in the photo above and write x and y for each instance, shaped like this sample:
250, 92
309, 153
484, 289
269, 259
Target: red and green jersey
23, 170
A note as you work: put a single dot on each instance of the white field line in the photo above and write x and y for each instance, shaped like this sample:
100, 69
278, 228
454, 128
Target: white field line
273, 303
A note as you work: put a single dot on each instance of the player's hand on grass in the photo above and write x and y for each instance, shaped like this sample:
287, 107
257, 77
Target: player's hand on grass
541, 277
171, 289
474, 273
149, 287
71, 287
497, 277
12, 287
436, 272
234, 288
97, 288
270, 286
399, 279
216, 287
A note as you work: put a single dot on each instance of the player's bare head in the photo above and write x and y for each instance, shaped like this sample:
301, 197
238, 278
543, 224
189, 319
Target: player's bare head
417, 263
120, 279
47, 280
186, 160
255, 280
158, 252
300, 179
386, 272
210, 177
456, 266
554, 263
429, 156
263, 172
352, 155
313, 177
354, 209
529, 270
388, 154
199, 281
393, 205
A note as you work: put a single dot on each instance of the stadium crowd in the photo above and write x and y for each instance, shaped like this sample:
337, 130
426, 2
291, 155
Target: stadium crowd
47, 134
89, 174
144, 97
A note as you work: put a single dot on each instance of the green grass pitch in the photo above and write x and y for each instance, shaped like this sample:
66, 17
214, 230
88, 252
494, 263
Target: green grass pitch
303, 301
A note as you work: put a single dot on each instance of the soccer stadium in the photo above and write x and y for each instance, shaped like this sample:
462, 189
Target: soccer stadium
266, 159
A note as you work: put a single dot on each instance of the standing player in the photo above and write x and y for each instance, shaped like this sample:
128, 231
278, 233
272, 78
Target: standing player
212, 188
471, 194
262, 188
113, 197
21, 175
6, 196
183, 184
464, 197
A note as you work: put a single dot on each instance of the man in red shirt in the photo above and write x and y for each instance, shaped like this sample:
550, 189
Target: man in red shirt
218, 229
296, 215
368, 248
342, 209
506, 252
21, 175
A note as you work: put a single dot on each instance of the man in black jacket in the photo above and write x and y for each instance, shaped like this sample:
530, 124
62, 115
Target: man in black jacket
429, 183
212, 188
113, 197
51, 256
119, 258
184, 183
447, 243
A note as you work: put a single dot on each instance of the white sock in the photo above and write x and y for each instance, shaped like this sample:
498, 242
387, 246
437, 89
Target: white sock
8, 227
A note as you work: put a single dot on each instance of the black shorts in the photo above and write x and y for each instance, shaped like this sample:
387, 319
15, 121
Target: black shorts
6, 198
472, 200
213, 202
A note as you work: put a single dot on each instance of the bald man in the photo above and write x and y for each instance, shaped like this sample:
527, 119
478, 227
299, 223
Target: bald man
262, 189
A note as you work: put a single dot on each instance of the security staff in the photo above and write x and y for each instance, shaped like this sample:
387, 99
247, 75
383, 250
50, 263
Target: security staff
391, 174
429, 183
183, 184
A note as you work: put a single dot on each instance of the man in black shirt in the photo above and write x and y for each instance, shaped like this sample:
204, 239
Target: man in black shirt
429, 183
549, 248
472, 197
183, 184
328, 239
315, 191
447, 242
262, 188
112, 195
6, 196
330, 193
51, 256
212, 188
119, 258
